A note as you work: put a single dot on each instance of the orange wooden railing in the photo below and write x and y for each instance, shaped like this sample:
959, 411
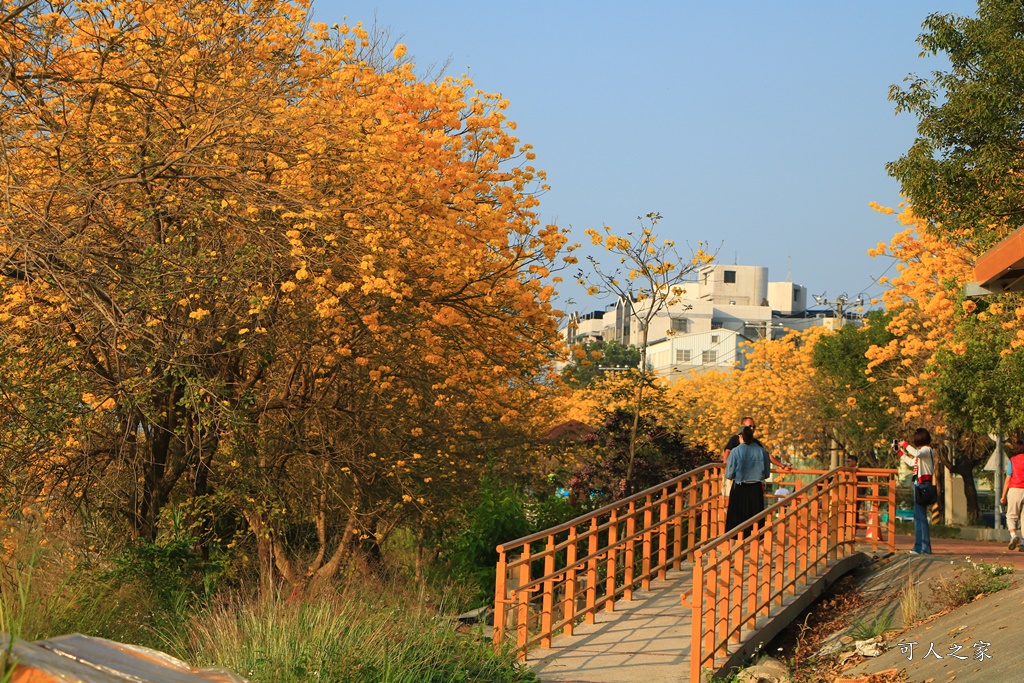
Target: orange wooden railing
739, 577
551, 580
876, 501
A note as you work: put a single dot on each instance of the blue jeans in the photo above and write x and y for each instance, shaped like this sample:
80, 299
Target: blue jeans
922, 534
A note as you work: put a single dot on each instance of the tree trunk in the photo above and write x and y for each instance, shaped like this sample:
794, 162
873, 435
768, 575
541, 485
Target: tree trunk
264, 554
635, 430
965, 468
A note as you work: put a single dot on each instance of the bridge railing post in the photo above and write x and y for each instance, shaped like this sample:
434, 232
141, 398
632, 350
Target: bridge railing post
547, 594
697, 617
814, 531
611, 569
645, 575
500, 600
663, 534
523, 603
892, 513
691, 521
630, 552
569, 612
592, 570
677, 537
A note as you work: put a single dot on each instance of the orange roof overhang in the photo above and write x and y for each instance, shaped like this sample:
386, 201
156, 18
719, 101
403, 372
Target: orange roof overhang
1001, 268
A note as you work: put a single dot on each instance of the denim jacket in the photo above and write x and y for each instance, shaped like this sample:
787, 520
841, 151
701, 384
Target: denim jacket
748, 462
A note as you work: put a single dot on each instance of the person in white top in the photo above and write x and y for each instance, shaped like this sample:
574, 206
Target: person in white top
919, 455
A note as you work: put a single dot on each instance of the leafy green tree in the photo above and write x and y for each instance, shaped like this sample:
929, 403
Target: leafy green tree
978, 387
595, 358
976, 391
841, 362
609, 465
966, 167
963, 174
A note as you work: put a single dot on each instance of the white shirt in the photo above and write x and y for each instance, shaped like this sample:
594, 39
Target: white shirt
923, 461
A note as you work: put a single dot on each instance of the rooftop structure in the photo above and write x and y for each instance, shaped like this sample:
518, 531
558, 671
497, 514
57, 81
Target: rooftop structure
726, 306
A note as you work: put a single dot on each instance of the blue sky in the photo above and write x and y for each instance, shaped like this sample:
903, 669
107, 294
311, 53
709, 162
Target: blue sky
760, 127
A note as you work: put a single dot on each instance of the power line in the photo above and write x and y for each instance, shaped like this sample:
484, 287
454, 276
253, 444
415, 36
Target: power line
840, 304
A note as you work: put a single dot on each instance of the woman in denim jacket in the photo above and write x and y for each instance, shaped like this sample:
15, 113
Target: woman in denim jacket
748, 466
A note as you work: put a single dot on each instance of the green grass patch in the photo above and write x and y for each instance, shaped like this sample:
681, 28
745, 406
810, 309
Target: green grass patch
971, 581
374, 634
866, 629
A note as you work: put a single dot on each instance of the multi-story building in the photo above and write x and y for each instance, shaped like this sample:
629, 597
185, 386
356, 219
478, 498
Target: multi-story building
726, 306
584, 327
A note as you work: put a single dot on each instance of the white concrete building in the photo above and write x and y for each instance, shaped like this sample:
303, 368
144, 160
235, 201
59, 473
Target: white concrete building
710, 350
585, 327
726, 306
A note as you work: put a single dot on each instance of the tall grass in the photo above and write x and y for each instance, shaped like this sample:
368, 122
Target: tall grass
42, 595
911, 603
373, 634
364, 630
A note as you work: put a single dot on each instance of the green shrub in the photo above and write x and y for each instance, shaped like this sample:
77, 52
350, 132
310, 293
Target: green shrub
173, 571
977, 578
376, 635
866, 629
498, 516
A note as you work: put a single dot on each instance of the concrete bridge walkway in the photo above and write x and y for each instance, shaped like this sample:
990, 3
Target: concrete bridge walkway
651, 589
647, 640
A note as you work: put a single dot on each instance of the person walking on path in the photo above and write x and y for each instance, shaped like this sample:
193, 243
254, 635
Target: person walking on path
919, 455
747, 468
1013, 493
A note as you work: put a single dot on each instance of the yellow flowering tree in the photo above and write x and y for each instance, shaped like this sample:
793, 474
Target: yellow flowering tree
250, 261
647, 279
943, 361
777, 386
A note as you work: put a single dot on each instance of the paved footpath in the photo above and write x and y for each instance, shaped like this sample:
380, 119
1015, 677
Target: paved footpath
991, 552
646, 640
978, 643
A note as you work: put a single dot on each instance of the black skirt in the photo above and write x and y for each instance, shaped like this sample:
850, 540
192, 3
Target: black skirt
745, 501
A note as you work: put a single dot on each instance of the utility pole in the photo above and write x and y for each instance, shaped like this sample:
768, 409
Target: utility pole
764, 328
839, 305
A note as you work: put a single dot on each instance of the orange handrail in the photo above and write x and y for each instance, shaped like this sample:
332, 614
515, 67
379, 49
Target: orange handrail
551, 580
554, 578
739, 576
876, 501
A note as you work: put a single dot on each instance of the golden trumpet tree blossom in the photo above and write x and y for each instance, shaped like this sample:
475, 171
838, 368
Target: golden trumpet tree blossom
245, 257
925, 302
648, 279
776, 387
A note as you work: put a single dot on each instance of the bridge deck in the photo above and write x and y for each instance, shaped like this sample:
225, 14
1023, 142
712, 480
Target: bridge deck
647, 640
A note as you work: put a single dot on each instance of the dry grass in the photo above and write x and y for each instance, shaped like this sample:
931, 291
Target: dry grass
911, 603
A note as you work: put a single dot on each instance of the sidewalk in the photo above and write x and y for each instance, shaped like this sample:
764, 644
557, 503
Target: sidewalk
979, 642
991, 552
